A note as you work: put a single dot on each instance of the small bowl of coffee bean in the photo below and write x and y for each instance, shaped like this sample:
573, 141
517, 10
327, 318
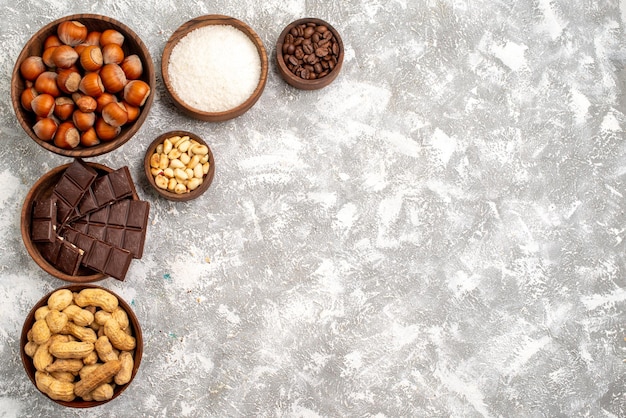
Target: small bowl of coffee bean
309, 54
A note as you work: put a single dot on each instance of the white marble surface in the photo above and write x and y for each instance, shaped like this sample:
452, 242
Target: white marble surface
438, 233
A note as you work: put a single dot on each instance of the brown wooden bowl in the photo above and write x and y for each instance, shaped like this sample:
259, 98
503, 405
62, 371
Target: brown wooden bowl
42, 189
136, 332
200, 22
207, 180
295, 80
132, 45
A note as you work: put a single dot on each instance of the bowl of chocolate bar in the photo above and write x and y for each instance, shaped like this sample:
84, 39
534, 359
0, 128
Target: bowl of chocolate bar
82, 222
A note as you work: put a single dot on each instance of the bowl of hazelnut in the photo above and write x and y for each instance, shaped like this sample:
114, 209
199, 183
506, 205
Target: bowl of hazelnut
179, 165
81, 345
309, 54
83, 85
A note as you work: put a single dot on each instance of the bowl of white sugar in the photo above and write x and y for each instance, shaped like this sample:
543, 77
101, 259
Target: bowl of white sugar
214, 68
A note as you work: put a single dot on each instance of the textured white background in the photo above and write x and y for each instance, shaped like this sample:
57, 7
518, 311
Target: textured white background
438, 233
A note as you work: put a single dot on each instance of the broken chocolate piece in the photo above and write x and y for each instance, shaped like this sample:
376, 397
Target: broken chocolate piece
71, 188
63, 255
44, 220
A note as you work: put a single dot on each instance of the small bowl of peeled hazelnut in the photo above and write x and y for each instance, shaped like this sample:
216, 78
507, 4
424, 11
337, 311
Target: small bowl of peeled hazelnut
179, 165
83, 85
81, 345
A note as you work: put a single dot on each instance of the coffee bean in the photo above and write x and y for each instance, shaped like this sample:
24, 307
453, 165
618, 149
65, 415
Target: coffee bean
310, 51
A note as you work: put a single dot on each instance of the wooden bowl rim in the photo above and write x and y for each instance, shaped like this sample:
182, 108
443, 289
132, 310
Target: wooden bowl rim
206, 20
25, 218
296, 81
27, 362
105, 146
206, 182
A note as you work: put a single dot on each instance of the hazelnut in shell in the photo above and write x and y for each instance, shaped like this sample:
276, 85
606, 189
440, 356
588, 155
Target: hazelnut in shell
132, 67
113, 78
64, 56
31, 67
91, 85
68, 80
67, 136
115, 114
91, 58
27, 97
136, 92
112, 54
47, 83
63, 107
72, 32
89, 138
105, 131
45, 129
111, 36
43, 105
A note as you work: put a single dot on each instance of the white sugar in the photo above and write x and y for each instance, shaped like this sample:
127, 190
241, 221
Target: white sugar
214, 68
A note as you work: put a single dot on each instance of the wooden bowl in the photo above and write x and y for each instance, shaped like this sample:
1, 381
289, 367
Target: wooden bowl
27, 361
132, 45
183, 31
42, 189
207, 180
284, 68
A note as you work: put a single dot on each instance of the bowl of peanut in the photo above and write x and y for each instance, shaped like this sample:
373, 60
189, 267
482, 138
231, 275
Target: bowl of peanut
81, 345
179, 165
82, 85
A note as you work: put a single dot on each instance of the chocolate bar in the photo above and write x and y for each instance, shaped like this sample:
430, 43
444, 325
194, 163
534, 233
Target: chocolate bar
101, 256
122, 224
62, 254
71, 188
105, 190
44, 220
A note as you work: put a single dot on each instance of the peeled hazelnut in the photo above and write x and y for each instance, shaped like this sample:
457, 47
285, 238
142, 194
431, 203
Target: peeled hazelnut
132, 67
27, 97
67, 136
64, 56
72, 32
43, 105
68, 80
89, 138
31, 67
136, 92
45, 129
115, 114
91, 58
112, 54
85, 103
105, 131
47, 83
111, 36
113, 78
104, 99
91, 85
83, 120
63, 107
